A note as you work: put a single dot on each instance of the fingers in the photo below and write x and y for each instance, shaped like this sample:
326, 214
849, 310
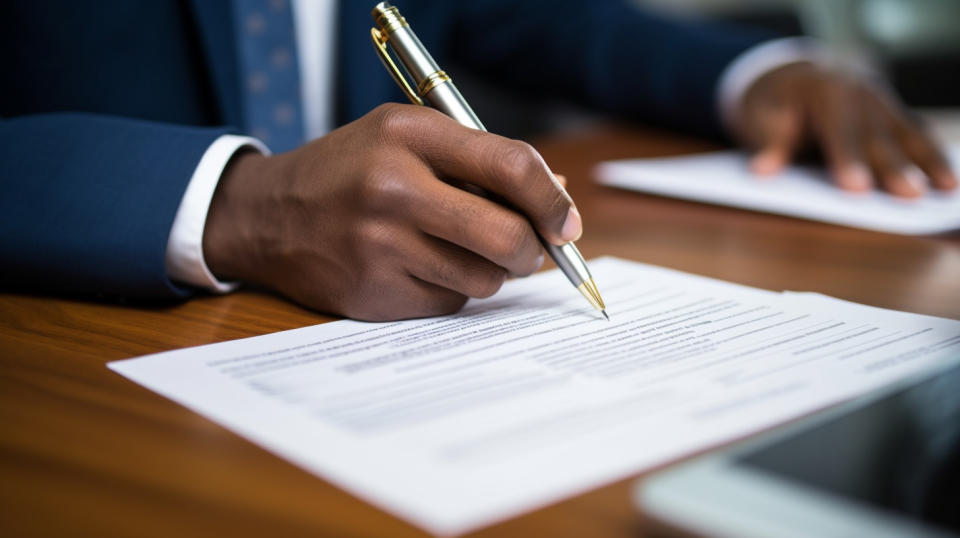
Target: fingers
435, 278
920, 148
427, 300
890, 166
898, 154
507, 168
412, 198
835, 121
867, 139
779, 130
476, 224
514, 171
407, 297
451, 267
772, 118
864, 133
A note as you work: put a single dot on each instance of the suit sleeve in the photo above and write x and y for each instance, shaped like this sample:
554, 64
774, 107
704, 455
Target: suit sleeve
88, 203
609, 54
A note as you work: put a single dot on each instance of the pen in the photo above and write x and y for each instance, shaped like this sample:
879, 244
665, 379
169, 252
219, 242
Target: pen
434, 86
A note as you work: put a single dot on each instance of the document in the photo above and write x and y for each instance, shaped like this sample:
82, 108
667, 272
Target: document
724, 178
530, 396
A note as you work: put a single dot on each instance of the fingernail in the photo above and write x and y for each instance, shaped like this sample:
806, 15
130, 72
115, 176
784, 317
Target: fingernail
766, 163
539, 261
856, 177
948, 181
572, 227
915, 179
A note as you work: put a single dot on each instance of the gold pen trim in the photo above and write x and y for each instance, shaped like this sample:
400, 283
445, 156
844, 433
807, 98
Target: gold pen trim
380, 44
589, 290
432, 81
389, 19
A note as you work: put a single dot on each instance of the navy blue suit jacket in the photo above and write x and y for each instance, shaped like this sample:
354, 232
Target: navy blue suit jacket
107, 107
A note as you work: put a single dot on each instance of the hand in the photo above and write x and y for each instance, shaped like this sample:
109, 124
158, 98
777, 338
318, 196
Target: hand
866, 137
366, 223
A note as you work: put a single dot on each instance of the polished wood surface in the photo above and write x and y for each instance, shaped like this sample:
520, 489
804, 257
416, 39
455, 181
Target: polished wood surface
87, 453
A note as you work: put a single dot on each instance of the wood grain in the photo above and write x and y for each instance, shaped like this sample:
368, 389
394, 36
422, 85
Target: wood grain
84, 452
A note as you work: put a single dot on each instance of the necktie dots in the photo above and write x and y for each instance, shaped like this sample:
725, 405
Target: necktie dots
255, 24
267, 59
280, 58
283, 114
257, 82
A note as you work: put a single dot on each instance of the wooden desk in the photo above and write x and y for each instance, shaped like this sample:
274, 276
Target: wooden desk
88, 453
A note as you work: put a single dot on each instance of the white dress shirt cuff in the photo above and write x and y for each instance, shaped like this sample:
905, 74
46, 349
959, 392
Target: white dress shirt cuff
755, 62
184, 256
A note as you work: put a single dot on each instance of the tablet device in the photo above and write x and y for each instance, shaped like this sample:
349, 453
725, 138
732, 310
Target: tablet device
884, 464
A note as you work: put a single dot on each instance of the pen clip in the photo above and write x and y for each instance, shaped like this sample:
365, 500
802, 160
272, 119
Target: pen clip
380, 43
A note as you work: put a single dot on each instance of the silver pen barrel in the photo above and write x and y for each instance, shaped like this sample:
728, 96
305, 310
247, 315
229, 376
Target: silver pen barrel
431, 85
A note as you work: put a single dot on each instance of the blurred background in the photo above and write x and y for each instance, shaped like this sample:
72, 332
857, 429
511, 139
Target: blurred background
914, 43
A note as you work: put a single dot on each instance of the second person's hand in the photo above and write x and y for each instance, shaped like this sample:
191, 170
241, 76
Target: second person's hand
867, 138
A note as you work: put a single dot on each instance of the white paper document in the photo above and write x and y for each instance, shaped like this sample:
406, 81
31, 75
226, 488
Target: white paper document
807, 192
530, 396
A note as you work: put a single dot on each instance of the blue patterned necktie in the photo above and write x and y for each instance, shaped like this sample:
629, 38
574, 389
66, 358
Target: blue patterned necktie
269, 72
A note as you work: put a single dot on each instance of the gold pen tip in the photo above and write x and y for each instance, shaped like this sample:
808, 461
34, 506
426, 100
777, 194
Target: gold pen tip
604, 312
589, 290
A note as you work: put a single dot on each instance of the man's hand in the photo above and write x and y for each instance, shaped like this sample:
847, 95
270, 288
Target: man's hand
866, 137
366, 222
